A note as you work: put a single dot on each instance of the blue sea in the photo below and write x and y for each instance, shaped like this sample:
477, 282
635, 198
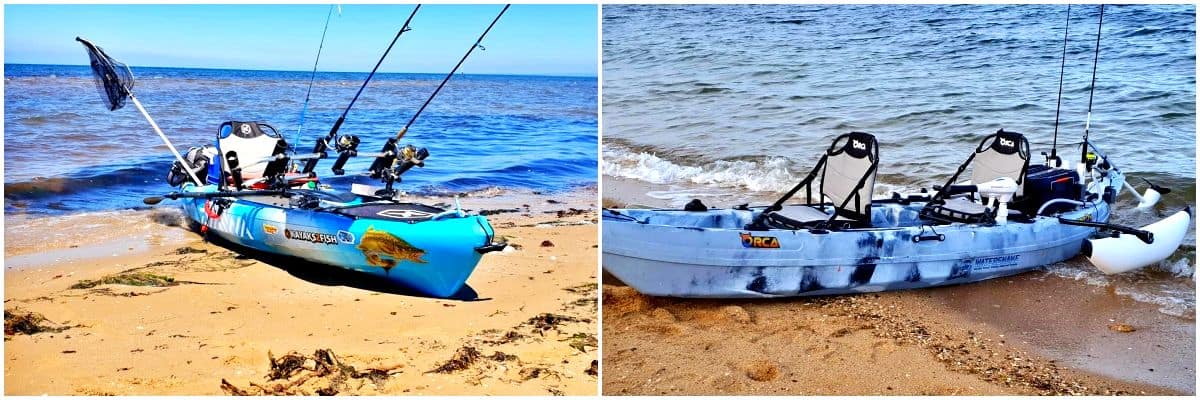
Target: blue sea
64, 152
735, 104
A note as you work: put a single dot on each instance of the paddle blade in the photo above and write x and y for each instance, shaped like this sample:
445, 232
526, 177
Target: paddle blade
113, 78
152, 200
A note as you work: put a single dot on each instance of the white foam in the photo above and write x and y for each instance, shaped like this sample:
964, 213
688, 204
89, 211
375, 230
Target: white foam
1182, 268
1170, 297
770, 175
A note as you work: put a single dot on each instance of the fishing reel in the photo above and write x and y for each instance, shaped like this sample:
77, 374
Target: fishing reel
412, 155
346, 146
403, 159
407, 157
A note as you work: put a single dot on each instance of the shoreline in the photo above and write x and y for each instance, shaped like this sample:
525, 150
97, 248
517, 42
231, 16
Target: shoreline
216, 325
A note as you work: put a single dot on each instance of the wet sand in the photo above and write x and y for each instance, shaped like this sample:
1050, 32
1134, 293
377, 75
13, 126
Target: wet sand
1034, 333
525, 325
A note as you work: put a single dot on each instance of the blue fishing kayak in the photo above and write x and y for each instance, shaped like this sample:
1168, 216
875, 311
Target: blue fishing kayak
419, 246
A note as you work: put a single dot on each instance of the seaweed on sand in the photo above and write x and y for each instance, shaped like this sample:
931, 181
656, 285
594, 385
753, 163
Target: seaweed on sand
17, 322
462, 359
322, 373
128, 278
581, 341
547, 321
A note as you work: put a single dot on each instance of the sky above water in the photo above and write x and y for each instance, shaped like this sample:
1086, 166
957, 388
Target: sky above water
528, 39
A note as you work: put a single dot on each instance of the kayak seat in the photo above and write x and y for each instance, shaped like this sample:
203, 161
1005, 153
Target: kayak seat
243, 144
1000, 155
847, 172
803, 213
959, 209
801, 216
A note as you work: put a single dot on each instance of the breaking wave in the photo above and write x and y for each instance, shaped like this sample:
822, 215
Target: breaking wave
771, 174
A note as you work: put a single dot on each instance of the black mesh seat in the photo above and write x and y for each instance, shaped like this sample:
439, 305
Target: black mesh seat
847, 172
1000, 155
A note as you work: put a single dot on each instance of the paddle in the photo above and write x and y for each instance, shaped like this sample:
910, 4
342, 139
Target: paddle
152, 200
115, 81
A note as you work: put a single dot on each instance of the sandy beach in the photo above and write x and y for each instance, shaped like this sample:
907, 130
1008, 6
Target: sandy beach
901, 343
1034, 333
203, 319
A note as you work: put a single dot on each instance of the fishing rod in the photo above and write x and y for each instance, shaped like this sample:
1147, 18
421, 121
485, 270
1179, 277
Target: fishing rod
323, 143
1057, 162
1154, 192
313, 77
383, 166
1091, 92
451, 74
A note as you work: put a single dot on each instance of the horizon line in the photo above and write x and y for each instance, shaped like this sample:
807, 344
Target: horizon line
310, 71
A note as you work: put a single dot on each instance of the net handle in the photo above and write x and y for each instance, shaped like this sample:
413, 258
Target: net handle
126, 91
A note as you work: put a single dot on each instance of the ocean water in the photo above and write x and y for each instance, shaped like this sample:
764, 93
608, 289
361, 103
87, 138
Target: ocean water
735, 104
64, 152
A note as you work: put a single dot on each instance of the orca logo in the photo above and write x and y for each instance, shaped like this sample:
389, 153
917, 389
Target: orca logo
1006, 143
858, 145
403, 214
759, 242
245, 128
345, 237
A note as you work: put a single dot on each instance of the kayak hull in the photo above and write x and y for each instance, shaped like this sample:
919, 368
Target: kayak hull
435, 256
679, 253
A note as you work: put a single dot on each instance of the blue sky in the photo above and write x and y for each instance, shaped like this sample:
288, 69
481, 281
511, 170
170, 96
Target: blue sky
528, 40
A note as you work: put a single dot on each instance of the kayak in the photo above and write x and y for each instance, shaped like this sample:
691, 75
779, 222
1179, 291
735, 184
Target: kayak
423, 247
249, 189
708, 254
1006, 218
854, 246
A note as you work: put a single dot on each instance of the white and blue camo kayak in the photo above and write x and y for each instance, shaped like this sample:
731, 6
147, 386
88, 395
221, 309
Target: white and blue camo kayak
742, 252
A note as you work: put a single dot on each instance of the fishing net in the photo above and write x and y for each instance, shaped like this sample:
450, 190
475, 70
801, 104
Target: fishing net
113, 78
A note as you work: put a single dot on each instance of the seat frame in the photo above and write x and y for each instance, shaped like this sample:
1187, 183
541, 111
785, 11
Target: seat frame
841, 218
930, 211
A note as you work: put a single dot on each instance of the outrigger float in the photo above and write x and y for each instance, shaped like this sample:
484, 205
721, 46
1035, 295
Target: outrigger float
249, 189
1009, 217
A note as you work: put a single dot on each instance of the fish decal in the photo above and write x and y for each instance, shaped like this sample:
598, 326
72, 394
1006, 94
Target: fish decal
376, 245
